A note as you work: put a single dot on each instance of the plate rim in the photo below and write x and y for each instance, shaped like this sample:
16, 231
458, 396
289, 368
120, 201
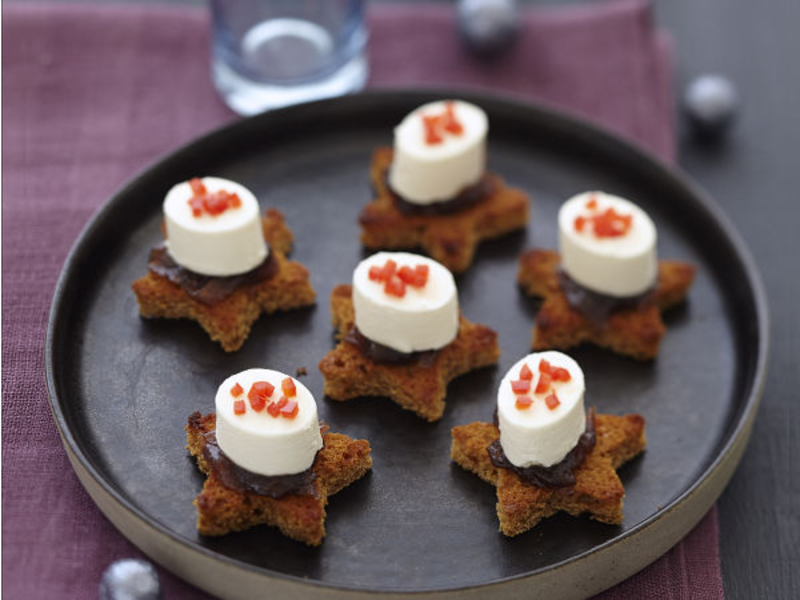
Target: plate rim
700, 495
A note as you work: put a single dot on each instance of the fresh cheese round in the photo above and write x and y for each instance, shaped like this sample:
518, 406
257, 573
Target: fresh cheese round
540, 409
607, 244
228, 242
395, 309
269, 429
439, 149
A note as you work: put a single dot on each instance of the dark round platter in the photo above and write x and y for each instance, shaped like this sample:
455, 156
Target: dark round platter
122, 387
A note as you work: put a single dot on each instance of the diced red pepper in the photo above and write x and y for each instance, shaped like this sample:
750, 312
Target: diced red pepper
451, 123
236, 390
612, 224
198, 189
591, 204
580, 222
395, 287
561, 374
257, 402
273, 409
290, 409
376, 273
552, 401
544, 383
431, 123
407, 274
522, 386
524, 402
544, 367
263, 388
238, 407
213, 204
288, 387
389, 269
525, 373
258, 394
283, 401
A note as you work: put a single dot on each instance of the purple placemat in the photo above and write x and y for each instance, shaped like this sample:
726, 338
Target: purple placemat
93, 94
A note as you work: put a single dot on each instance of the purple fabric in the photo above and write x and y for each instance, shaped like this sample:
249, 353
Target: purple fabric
93, 94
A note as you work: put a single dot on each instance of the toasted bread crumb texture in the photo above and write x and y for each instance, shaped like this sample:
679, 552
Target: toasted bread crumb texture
349, 374
631, 332
229, 321
597, 491
450, 239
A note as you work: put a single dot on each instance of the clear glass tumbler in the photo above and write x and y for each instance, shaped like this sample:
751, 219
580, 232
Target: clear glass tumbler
271, 53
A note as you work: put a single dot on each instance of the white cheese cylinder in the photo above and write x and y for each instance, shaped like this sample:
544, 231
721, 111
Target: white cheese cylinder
424, 318
537, 434
424, 173
619, 266
262, 443
229, 243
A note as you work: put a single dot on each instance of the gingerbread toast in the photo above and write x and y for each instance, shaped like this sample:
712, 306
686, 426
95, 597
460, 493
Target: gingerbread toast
450, 238
634, 331
220, 510
597, 490
229, 320
415, 387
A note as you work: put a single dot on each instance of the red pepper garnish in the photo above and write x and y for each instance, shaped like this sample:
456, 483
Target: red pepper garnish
273, 409
213, 204
395, 280
389, 268
432, 135
288, 387
544, 367
591, 204
407, 274
520, 387
609, 223
258, 394
198, 188
238, 407
289, 410
544, 383
257, 402
525, 373
561, 374
451, 124
395, 286
436, 125
552, 401
524, 402
236, 390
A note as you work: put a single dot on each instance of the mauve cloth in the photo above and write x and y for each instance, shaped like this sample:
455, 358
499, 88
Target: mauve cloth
93, 94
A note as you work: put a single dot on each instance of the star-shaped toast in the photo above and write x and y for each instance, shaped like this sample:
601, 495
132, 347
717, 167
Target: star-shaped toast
221, 510
417, 386
449, 238
597, 489
229, 320
634, 331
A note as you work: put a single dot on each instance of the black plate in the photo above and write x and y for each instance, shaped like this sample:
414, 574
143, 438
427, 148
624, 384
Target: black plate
122, 387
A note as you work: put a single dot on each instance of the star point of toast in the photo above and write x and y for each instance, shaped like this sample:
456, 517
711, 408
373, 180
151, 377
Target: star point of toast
220, 510
452, 238
597, 491
421, 389
230, 320
634, 332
